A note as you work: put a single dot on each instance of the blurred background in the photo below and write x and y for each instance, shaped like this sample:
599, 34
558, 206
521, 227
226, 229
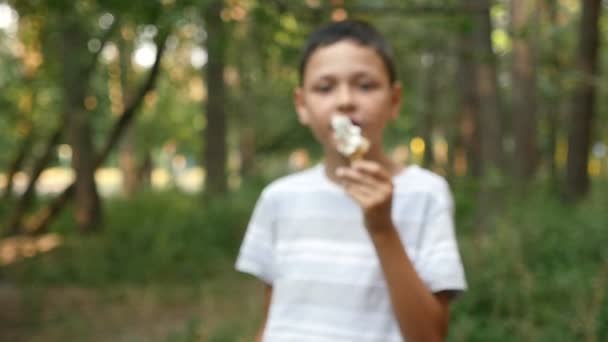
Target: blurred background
136, 136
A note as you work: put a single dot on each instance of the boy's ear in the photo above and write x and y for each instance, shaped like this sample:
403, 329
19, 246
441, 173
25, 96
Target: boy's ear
298, 100
396, 97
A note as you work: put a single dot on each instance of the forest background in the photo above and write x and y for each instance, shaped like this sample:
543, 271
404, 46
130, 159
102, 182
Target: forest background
137, 135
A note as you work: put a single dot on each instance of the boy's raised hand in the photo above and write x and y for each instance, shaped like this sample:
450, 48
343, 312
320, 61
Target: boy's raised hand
370, 185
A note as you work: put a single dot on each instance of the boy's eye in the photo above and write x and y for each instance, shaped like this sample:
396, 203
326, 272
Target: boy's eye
367, 85
322, 88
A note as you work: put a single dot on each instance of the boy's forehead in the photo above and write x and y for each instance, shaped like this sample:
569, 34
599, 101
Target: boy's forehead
343, 56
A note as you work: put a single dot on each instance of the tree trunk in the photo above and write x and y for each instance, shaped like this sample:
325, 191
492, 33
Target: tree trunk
247, 150
428, 113
87, 207
491, 120
144, 171
247, 134
554, 105
523, 73
583, 104
215, 132
469, 103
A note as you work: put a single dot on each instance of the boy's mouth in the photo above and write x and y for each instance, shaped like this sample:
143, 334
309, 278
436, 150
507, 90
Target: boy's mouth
353, 121
356, 123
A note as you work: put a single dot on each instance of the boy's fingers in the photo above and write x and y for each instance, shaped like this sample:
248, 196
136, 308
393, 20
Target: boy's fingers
359, 192
371, 168
356, 176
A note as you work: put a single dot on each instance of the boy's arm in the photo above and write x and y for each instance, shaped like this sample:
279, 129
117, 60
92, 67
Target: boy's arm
422, 315
266, 306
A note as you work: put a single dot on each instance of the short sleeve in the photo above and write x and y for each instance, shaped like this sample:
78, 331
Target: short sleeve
256, 255
439, 263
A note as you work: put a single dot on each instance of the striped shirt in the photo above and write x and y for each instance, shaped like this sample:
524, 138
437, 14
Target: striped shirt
307, 239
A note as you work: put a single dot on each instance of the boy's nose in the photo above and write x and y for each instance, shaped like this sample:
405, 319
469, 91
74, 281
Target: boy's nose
345, 98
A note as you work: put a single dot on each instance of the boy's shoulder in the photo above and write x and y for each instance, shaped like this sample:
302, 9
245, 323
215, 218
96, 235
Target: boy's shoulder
305, 180
415, 177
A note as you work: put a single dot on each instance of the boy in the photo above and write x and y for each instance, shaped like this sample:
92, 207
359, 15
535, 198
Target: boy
359, 250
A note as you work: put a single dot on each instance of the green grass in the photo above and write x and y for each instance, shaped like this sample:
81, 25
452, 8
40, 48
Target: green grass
540, 274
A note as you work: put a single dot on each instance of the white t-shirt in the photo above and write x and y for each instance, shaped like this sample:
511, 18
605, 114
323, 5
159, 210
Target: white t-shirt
307, 239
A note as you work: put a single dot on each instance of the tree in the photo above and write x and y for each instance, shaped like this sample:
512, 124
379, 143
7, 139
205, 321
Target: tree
87, 206
468, 120
215, 132
523, 73
583, 102
491, 119
428, 114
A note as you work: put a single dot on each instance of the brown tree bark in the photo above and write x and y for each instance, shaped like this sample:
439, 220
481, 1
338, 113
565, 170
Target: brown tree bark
144, 171
215, 133
468, 119
87, 206
583, 103
524, 100
554, 103
246, 129
428, 112
491, 120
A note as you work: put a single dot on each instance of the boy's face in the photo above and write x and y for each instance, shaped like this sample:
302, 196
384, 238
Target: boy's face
350, 79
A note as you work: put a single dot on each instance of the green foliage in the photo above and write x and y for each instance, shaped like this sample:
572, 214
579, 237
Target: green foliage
532, 278
155, 237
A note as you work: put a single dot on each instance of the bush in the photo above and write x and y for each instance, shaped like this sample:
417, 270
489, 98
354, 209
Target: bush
540, 275
155, 237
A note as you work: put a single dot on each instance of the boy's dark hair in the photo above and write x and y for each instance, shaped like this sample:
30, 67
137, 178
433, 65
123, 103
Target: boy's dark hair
356, 30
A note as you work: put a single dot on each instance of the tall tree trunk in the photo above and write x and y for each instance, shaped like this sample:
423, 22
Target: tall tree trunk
87, 210
583, 104
469, 102
247, 136
523, 73
215, 132
428, 112
554, 105
491, 119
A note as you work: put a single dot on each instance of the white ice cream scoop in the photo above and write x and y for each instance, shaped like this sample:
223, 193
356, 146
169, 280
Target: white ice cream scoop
350, 142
